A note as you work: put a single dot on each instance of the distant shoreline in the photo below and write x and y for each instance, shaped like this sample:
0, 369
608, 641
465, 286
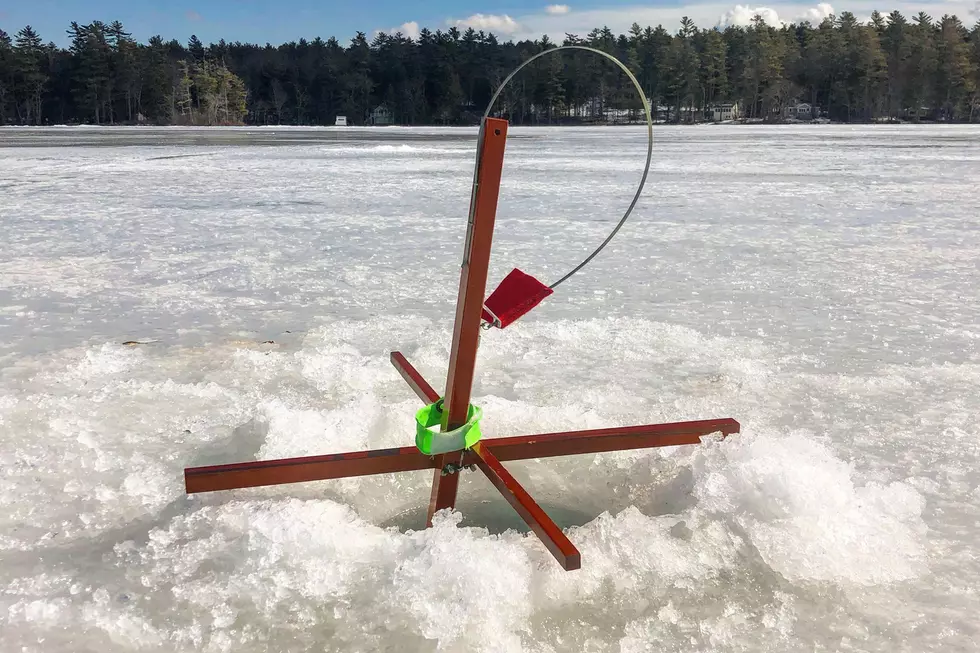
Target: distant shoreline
381, 128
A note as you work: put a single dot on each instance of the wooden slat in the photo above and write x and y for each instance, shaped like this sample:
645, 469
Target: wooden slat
308, 468
473, 274
541, 524
444, 487
415, 381
404, 459
469, 303
602, 440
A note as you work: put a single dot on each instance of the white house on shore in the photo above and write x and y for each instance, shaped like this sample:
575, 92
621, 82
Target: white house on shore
381, 116
725, 112
801, 111
341, 121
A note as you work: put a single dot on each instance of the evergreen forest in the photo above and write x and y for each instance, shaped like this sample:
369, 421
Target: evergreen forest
889, 68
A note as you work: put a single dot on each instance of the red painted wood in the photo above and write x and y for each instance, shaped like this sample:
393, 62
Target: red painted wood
444, 487
307, 468
469, 304
473, 274
541, 524
404, 459
415, 381
601, 440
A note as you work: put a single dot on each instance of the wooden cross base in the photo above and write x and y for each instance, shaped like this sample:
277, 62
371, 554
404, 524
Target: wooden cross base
486, 454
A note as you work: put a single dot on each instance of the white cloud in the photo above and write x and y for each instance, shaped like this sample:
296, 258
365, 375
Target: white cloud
192, 15
742, 16
706, 14
816, 14
556, 21
409, 29
489, 23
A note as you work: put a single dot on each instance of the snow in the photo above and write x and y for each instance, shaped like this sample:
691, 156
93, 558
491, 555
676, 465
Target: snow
819, 284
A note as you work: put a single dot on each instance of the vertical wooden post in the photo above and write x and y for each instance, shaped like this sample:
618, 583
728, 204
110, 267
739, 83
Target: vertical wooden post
469, 305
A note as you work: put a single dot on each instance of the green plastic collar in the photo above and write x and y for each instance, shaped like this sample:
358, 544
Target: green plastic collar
432, 442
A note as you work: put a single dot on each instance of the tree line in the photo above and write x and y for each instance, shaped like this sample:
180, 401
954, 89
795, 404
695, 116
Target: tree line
887, 68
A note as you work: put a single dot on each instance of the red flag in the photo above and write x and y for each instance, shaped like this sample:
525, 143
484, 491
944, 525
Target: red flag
517, 294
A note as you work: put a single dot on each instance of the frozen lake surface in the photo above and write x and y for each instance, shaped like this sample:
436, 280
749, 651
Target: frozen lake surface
820, 285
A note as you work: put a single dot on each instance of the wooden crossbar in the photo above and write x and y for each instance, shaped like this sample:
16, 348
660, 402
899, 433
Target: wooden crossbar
541, 524
486, 454
415, 381
307, 468
407, 459
570, 443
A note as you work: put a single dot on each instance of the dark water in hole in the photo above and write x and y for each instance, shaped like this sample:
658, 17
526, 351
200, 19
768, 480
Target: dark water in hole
492, 513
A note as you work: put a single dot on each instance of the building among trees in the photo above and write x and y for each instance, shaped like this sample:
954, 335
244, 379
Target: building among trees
725, 112
800, 111
381, 115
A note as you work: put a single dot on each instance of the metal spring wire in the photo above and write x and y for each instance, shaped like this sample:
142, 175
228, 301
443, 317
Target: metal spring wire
649, 120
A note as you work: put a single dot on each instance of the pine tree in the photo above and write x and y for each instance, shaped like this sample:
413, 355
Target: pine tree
234, 97
358, 79
91, 75
974, 113
124, 70
871, 73
155, 98
7, 68
714, 68
195, 48
31, 75
683, 86
922, 64
954, 83
183, 103
763, 73
896, 41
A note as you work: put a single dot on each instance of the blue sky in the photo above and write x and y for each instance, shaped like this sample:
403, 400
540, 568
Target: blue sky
277, 21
